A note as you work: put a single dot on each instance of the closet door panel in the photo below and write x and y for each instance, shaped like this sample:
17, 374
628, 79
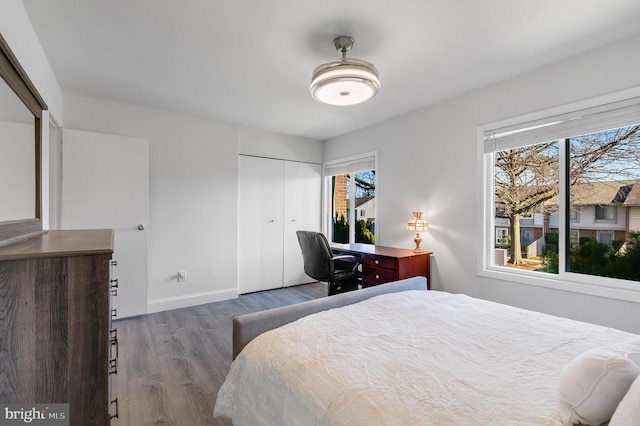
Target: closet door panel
293, 221
249, 223
271, 251
302, 212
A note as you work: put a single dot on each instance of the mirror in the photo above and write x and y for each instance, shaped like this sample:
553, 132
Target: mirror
20, 119
17, 153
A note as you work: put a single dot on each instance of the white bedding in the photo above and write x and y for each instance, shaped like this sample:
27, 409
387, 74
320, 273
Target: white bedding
409, 358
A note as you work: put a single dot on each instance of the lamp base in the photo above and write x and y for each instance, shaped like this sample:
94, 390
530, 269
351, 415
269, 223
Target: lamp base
417, 239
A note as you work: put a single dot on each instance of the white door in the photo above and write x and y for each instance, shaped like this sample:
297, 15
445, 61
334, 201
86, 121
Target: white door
272, 222
302, 211
260, 207
105, 184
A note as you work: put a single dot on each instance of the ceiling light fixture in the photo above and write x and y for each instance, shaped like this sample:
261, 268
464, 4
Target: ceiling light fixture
347, 81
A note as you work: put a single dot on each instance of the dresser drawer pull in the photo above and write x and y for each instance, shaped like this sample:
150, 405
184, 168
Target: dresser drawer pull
113, 366
114, 287
114, 312
377, 262
377, 277
114, 343
114, 263
114, 416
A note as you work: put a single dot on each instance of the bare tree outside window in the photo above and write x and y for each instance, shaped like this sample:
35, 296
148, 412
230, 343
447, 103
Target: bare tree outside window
603, 170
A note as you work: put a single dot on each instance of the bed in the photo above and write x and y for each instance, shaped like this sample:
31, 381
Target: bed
397, 354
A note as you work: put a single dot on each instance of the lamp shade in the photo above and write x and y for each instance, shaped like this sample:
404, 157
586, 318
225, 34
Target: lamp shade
417, 223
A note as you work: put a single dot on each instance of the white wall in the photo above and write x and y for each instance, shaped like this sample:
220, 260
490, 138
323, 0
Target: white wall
440, 175
193, 192
261, 143
17, 30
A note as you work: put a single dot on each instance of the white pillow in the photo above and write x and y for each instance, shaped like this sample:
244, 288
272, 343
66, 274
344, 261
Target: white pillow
628, 412
592, 385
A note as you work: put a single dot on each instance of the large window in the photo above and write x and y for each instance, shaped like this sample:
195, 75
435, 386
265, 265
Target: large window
350, 200
569, 187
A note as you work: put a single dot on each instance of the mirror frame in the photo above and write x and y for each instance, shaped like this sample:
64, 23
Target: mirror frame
16, 77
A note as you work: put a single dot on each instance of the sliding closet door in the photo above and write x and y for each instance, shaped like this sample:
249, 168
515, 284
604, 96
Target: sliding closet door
302, 211
272, 222
260, 211
275, 199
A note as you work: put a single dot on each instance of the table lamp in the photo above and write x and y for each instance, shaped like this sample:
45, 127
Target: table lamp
418, 225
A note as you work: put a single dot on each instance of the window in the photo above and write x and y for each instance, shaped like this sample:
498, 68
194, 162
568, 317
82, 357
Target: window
563, 169
605, 237
502, 237
350, 199
605, 213
574, 215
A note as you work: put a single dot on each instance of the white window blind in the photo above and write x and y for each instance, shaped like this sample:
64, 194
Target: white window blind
577, 123
350, 165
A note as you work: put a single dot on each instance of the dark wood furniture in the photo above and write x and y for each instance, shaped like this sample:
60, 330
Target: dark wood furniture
56, 341
384, 264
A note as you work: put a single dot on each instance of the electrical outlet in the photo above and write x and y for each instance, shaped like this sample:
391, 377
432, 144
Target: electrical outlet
182, 276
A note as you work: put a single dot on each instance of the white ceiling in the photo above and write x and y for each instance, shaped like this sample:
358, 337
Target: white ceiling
250, 61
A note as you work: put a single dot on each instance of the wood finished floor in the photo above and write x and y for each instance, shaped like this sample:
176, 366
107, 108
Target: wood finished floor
172, 364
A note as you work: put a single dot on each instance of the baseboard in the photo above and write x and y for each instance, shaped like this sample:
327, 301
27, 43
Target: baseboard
169, 303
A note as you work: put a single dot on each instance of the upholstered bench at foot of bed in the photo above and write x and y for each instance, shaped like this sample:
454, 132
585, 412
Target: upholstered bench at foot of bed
247, 327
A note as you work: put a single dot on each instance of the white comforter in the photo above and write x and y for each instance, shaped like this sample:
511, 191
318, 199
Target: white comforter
410, 358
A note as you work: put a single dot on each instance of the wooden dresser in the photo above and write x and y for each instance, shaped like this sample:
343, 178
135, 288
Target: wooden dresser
384, 264
57, 345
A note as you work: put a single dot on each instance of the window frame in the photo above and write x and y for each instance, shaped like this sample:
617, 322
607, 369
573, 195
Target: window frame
485, 238
326, 197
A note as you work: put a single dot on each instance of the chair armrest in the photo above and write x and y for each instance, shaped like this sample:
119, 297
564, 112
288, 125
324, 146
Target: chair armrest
345, 258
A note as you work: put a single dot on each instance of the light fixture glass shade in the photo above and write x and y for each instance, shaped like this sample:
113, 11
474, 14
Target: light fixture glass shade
346, 82
417, 223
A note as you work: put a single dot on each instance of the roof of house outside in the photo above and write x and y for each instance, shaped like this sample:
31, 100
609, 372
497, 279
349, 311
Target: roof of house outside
617, 193
633, 198
603, 193
363, 200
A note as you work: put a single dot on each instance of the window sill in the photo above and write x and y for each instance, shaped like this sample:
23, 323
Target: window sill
576, 283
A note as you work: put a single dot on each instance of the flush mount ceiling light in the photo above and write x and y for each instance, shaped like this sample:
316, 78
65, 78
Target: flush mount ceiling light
347, 81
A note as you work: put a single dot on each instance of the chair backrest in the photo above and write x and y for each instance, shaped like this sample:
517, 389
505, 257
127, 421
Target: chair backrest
316, 254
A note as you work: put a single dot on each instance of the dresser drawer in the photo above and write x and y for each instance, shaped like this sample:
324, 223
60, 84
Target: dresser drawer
380, 262
374, 276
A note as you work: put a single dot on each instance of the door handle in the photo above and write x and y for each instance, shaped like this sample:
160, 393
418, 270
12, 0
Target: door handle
141, 227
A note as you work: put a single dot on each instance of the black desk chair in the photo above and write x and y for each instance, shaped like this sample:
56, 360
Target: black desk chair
340, 272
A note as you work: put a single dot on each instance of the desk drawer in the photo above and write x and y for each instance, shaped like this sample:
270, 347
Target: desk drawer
374, 276
380, 262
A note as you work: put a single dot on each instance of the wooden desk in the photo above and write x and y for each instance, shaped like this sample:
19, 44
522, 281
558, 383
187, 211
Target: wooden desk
384, 264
